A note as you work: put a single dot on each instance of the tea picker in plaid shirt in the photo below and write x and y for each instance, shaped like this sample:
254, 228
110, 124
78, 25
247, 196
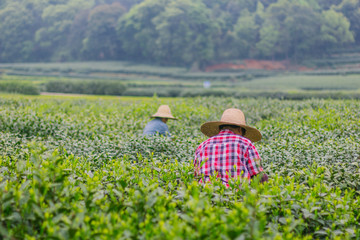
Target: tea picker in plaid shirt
229, 152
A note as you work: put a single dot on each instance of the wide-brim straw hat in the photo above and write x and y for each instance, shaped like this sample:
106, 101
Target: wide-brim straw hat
231, 116
164, 112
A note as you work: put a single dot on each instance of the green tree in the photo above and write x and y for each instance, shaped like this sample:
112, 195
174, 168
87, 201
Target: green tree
2, 3
17, 27
301, 30
301, 27
137, 32
58, 19
185, 33
247, 33
230, 15
269, 37
78, 30
351, 10
227, 12
267, 3
176, 32
274, 38
327, 4
101, 40
335, 30
125, 3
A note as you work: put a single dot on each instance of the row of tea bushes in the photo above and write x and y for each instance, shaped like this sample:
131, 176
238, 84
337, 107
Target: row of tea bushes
86, 87
78, 167
89, 69
19, 87
62, 197
300, 95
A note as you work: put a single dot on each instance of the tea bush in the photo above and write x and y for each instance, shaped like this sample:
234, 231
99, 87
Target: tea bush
19, 87
284, 95
86, 87
79, 168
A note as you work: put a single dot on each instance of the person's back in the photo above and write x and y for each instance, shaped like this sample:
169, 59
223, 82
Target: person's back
229, 152
158, 125
227, 155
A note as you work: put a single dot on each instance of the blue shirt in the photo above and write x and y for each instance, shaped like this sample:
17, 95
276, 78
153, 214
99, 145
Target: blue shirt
156, 126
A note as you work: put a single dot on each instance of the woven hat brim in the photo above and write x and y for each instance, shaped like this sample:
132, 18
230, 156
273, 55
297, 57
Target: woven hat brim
164, 116
212, 128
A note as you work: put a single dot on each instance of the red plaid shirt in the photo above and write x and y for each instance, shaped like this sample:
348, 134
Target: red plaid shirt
227, 154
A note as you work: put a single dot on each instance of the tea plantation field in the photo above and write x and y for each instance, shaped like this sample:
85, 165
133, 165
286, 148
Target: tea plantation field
79, 168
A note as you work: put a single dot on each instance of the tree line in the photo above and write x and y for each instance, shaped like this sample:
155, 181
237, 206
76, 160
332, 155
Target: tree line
174, 32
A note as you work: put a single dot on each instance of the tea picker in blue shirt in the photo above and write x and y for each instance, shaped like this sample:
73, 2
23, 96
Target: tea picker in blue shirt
158, 125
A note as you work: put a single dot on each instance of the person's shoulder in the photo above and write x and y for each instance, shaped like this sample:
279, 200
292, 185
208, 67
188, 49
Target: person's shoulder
152, 121
163, 125
158, 122
204, 143
233, 138
248, 144
244, 140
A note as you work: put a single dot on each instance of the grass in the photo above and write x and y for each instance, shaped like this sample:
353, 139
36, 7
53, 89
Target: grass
282, 82
103, 66
147, 79
293, 82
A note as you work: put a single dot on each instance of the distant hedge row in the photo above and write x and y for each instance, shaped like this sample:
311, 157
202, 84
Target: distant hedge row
237, 94
86, 87
118, 88
239, 74
103, 74
19, 87
274, 95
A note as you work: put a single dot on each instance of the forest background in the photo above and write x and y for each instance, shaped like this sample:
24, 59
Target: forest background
175, 32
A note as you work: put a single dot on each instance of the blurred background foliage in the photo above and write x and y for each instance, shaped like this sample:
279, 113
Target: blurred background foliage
176, 32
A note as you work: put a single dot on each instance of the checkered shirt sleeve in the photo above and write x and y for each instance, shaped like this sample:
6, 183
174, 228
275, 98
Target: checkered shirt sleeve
253, 160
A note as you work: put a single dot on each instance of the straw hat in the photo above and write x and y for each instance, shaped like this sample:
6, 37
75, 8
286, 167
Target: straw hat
231, 116
164, 112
